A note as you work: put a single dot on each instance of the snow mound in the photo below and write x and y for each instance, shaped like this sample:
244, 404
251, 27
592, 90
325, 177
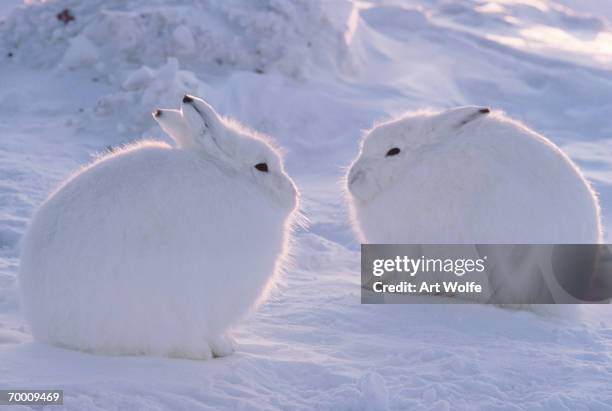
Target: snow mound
141, 91
287, 36
137, 48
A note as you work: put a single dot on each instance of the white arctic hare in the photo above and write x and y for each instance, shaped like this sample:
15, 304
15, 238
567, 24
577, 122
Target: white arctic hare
159, 250
466, 176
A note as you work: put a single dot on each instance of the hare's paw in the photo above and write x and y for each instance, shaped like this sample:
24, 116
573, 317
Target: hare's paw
222, 345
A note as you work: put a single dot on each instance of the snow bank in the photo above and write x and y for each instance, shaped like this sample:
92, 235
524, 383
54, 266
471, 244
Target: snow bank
139, 46
113, 38
568, 30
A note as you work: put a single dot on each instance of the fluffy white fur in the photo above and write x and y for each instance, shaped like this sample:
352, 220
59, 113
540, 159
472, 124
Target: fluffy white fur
466, 176
160, 250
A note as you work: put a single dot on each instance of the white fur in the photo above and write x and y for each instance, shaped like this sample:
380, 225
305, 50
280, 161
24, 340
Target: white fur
464, 176
159, 250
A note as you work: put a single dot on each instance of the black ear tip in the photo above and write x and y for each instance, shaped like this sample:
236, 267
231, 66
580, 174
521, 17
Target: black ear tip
187, 98
485, 110
157, 113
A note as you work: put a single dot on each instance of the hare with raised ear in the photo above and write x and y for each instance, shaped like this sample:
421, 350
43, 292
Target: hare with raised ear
467, 176
160, 250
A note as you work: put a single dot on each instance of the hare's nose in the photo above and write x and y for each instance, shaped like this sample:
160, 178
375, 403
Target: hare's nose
354, 175
187, 99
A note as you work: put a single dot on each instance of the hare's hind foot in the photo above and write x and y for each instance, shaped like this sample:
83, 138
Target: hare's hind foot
222, 345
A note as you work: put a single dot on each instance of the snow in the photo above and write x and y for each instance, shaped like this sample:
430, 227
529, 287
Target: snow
313, 75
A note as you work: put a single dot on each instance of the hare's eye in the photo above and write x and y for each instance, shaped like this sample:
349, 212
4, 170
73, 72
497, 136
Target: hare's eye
393, 152
263, 167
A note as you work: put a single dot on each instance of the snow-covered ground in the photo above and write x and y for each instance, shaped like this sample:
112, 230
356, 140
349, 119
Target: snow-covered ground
313, 76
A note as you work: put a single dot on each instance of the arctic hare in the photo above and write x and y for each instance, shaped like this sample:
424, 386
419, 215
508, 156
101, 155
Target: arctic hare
467, 176
160, 250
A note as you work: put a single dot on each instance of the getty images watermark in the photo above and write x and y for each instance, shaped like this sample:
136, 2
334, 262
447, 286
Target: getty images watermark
496, 274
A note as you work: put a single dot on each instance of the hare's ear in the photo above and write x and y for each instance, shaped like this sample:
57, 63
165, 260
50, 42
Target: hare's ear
173, 123
461, 116
199, 113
